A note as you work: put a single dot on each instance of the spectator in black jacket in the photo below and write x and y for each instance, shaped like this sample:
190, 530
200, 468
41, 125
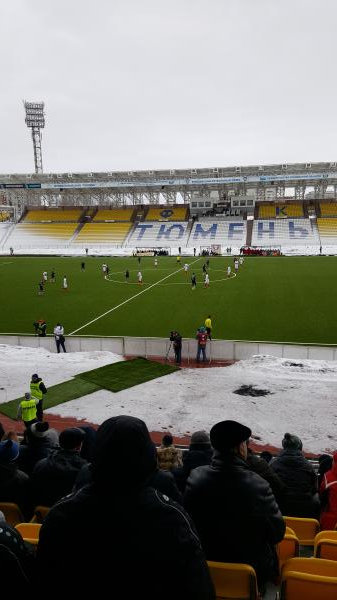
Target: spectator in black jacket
262, 468
199, 453
39, 442
14, 484
90, 536
53, 477
234, 509
300, 499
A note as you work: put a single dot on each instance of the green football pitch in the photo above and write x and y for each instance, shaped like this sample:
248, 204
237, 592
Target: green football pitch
285, 299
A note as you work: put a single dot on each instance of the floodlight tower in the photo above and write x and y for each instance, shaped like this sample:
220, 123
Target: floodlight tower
35, 120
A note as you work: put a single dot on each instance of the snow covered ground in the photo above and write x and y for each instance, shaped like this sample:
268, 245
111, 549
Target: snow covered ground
302, 396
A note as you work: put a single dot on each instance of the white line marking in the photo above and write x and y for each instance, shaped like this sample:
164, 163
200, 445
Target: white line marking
129, 299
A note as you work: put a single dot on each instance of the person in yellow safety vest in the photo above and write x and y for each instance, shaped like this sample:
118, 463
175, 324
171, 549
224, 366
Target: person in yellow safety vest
37, 389
28, 410
208, 325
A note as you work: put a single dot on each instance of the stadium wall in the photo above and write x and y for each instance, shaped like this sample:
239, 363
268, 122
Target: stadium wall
158, 347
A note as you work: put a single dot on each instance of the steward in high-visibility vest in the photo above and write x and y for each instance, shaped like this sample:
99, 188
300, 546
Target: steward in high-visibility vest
37, 389
28, 410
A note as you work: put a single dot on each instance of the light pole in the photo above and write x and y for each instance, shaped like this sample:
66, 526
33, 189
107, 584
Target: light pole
35, 121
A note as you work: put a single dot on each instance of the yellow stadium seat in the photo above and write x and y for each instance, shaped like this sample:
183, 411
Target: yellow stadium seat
29, 531
40, 512
114, 214
288, 548
167, 213
103, 233
305, 529
328, 209
72, 214
309, 579
12, 512
233, 580
326, 545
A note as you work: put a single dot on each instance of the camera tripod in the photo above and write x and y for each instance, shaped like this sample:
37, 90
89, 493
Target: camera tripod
168, 352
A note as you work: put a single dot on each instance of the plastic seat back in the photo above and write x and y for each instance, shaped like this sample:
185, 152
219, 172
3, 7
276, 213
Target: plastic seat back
40, 512
309, 578
289, 547
326, 545
30, 532
305, 529
235, 581
12, 512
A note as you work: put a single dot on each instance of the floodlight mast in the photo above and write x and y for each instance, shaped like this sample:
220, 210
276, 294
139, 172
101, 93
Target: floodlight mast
35, 121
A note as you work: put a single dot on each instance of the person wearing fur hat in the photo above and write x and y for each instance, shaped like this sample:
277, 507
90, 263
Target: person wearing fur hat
53, 477
233, 508
328, 494
300, 498
199, 453
90, 536
14, 484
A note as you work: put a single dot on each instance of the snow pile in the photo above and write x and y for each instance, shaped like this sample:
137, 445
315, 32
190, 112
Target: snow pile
299, 396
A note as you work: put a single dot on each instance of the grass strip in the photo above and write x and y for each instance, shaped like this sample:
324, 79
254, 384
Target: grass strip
57, 394
125, 374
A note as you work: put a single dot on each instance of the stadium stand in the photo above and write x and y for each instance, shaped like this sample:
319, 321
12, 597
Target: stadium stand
167, 213
41, 235
103, 233
271, 210
327, 228
54, 215
114, 214
159, 234
288, 233
328, 209
218, 231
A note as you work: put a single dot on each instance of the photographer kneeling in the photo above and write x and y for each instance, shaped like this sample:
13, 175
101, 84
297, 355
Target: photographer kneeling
175, 337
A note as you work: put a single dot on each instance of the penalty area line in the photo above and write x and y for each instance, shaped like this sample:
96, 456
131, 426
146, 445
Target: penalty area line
128, 300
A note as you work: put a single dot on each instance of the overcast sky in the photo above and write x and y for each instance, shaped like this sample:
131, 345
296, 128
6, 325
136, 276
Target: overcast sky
148, 84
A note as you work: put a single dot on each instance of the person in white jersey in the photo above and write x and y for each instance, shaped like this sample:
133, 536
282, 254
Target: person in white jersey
155, 262
65, 283
104, 268
206, 281
45, 276
186, 267
229, 270
241, 260
236, 265
140, 278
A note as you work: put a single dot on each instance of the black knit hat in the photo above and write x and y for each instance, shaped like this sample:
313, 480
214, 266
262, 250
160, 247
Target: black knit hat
228, 434
200, 438
124, 453
39, 429
71, 438
292, 442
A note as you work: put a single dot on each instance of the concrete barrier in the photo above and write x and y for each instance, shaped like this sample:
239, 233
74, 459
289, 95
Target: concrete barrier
141, 346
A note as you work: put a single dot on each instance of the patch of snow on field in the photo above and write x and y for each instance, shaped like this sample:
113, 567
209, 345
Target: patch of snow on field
301, 398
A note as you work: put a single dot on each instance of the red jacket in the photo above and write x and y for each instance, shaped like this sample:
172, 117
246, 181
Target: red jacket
202, 339
329, 490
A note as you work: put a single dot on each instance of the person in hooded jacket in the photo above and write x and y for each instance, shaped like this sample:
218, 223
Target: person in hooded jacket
53, 477
328, 494
199, 453
300, 498
262, 468
39, 441
233, 508
168, 455
121, 532
14, 484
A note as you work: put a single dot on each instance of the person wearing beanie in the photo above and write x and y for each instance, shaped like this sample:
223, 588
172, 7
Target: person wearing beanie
328, 495
54, 476
300, 498
120, 515
39, 441
233, 508
199, 453
169, 457
14, 484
